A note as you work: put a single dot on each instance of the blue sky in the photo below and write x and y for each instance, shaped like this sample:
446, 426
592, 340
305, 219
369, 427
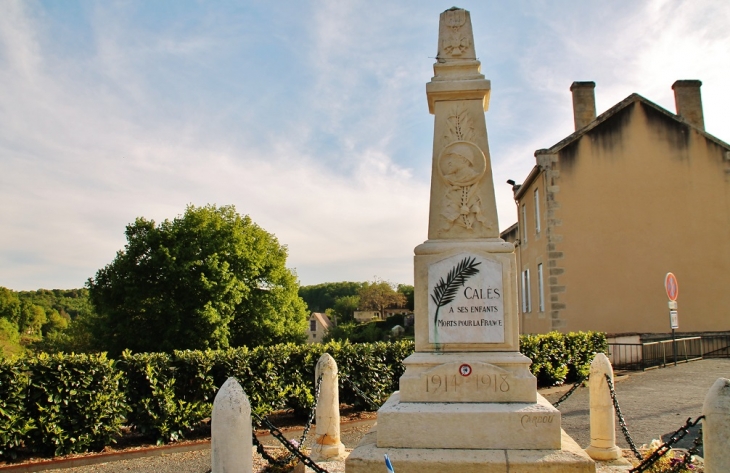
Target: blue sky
311, 117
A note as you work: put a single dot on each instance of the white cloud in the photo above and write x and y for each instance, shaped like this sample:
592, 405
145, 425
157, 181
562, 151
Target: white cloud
313, 122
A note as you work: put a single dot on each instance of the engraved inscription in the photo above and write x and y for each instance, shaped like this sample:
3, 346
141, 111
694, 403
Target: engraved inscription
436, 382
483, 383
466, 300
493, 382
535, 420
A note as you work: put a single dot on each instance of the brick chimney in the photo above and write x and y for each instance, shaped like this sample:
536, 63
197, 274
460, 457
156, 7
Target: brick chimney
584, 103
689, 101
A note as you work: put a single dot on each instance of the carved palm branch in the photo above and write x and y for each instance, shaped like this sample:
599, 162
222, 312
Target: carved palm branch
445, 291
459, 125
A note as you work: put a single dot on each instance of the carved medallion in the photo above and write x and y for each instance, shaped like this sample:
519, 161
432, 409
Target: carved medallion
462, 163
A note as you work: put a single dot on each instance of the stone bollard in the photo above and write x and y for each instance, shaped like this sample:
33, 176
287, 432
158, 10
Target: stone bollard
230, 437
716, 427
327, 444
603, 421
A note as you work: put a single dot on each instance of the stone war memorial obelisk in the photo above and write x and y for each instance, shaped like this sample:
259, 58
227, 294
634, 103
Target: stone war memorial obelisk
467, 400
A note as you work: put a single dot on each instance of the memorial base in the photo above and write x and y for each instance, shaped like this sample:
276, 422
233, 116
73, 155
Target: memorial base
368, 458
492, 377
509, 425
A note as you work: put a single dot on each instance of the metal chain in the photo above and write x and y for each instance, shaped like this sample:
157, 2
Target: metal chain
359, 392
570, 392
621, 420
262, 451
286, 460
664, 448
284, 441
687, 458
312, 412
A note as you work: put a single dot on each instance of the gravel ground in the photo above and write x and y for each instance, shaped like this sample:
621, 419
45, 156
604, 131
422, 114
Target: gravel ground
188, 462
655, 403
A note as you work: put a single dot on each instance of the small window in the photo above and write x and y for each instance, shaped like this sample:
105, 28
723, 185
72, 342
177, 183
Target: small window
541, 289
526, 302
537, 211
524, 224
312, 325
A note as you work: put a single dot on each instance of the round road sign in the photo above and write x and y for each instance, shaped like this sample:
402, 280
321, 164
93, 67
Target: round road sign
670, 284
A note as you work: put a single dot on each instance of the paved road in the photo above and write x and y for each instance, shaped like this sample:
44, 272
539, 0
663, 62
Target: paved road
655, 403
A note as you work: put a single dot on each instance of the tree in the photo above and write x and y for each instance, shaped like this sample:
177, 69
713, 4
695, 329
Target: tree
9, 305
32, 318
210, 278
9, 339
320, 297
407, 291
380, 295
345, 307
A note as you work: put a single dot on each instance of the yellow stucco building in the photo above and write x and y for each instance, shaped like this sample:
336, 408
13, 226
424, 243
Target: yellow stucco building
605, 213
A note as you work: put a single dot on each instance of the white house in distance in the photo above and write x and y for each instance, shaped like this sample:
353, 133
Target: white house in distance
367, 315
319, 325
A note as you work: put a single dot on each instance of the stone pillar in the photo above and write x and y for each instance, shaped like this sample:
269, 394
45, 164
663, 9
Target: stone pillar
327, 444
716, 427
603, 419
230, 439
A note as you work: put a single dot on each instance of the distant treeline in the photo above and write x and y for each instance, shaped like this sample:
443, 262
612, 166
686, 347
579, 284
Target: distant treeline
55, 320
37, 318
340, 300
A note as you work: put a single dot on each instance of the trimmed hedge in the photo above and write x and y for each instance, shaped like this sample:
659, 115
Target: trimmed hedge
14, 424
557, 357
57, 404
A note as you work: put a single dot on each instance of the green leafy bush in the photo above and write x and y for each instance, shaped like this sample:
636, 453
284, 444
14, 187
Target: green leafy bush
159, 407
77, 403
14, 423
555, 355
581, 348
259, 371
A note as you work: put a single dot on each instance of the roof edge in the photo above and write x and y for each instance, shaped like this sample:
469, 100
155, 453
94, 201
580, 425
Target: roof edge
619, 106
528, 180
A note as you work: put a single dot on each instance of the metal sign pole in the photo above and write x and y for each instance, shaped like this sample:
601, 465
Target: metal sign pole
672, 288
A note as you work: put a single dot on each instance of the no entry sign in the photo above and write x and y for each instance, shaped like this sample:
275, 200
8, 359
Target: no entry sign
670, 284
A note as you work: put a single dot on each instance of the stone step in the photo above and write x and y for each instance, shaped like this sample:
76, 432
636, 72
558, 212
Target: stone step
368, 458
